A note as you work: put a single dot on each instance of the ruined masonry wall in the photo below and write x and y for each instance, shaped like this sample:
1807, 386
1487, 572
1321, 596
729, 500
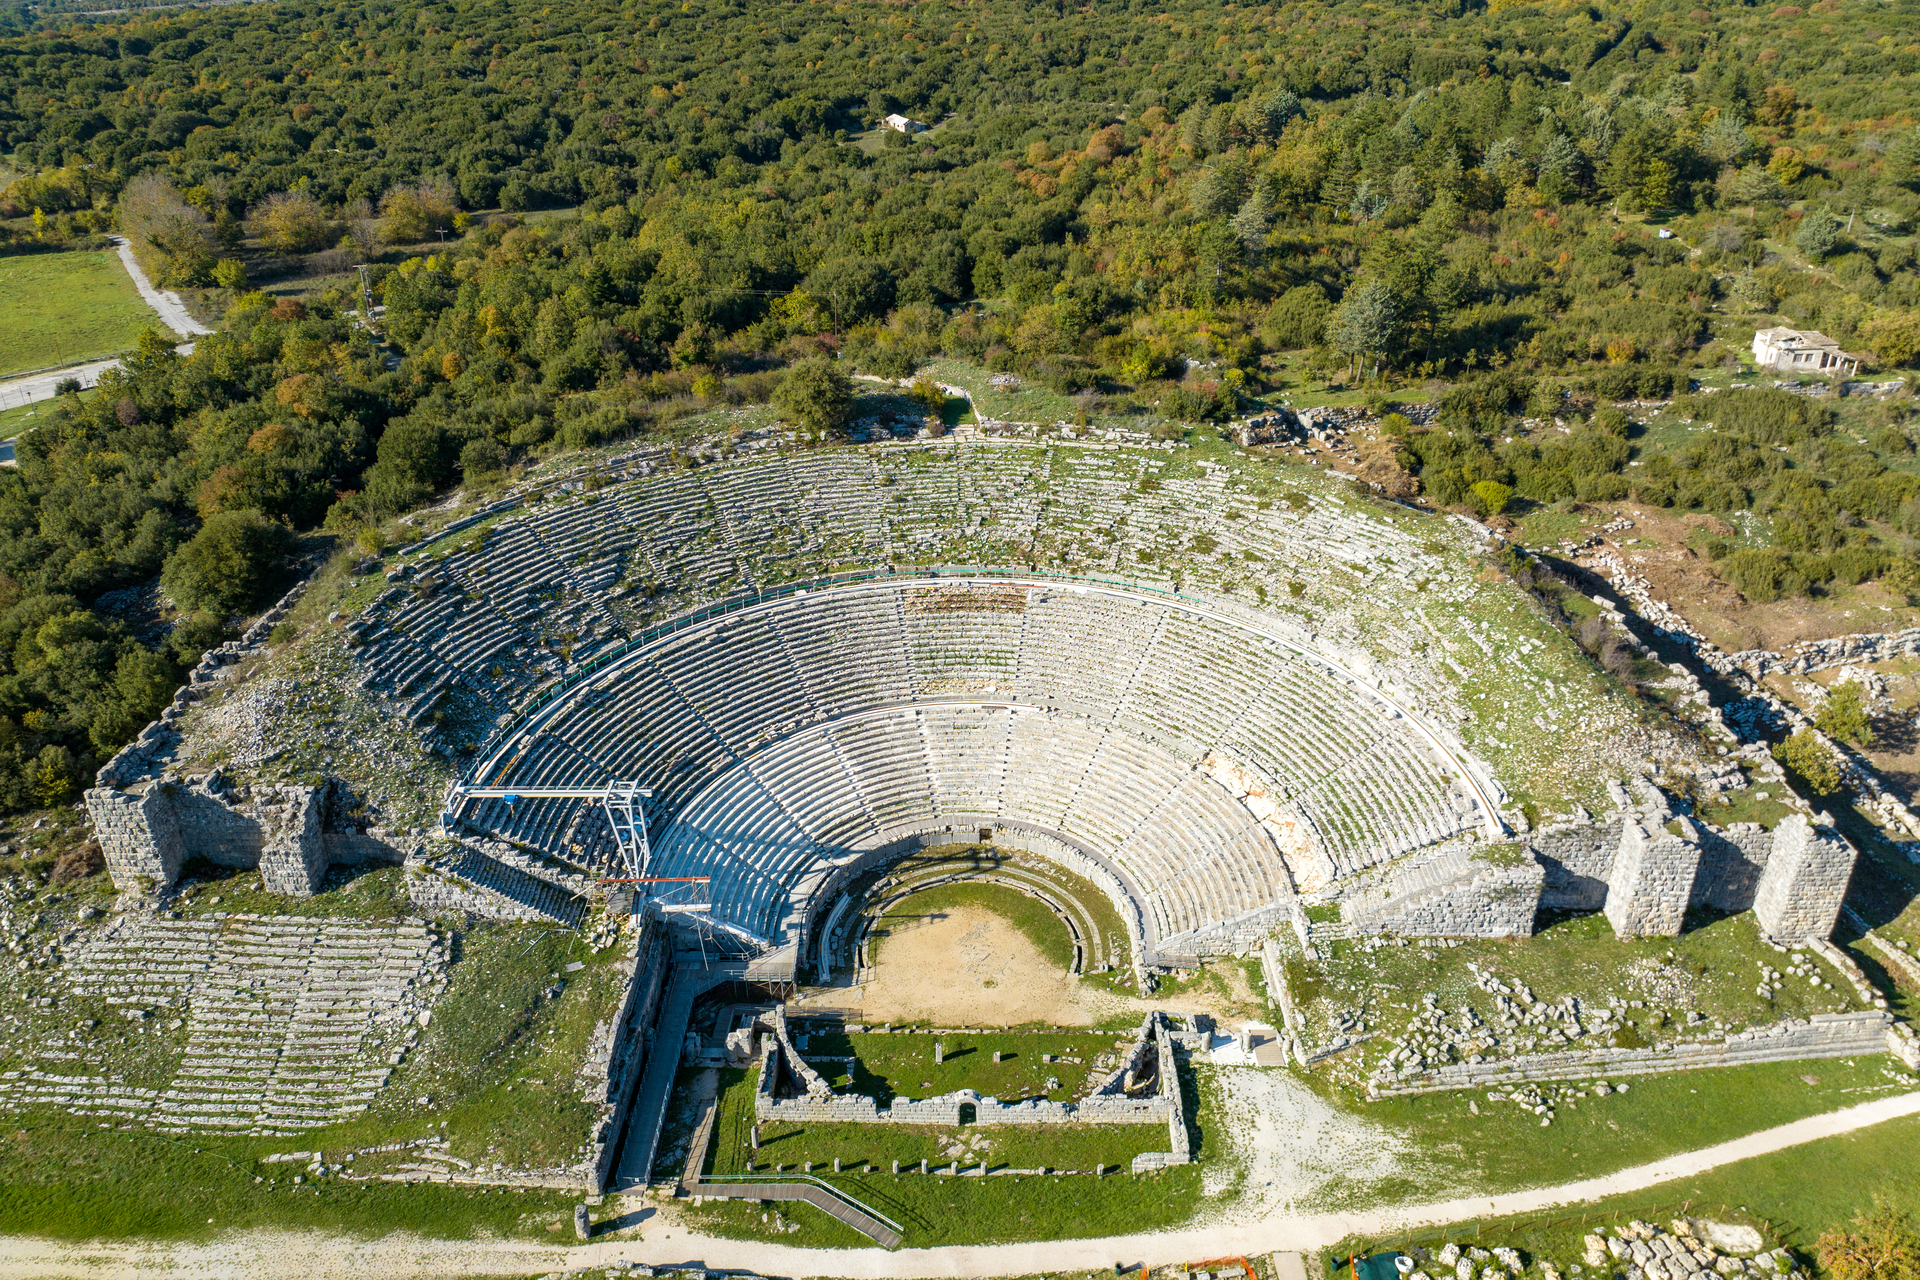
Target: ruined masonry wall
1487, 900
1106, 1106
1653, 879
1731, 863
138, 837
293, 857
1578, 859
1805, 879
1824, 1035
619, 1050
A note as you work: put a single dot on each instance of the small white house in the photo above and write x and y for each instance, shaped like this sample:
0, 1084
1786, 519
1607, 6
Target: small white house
900, 124
1801, 351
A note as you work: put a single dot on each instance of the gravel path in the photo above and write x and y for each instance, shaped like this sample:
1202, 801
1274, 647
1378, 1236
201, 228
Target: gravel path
263, 1255
166, 304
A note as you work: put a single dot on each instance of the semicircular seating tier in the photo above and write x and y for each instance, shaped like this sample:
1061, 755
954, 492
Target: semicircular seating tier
1197, 759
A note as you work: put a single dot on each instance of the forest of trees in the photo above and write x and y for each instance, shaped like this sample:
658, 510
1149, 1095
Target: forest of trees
1139, 204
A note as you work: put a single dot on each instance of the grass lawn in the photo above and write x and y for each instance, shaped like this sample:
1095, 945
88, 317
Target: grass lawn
900, 1065
67, 308
1791, 1196
874, 1147
62, 1177
1504, 1147
942, 1209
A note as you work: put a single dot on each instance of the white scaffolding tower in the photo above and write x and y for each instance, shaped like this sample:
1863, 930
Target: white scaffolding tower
626, 816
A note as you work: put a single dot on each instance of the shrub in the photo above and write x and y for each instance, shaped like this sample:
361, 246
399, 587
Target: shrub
1845, 715
817, 394
1490, 497
1763, 575
230, 566
83, 860
1298, 319
1883, 1245
1768, 415
1485, 404
1186, 404
1808, 759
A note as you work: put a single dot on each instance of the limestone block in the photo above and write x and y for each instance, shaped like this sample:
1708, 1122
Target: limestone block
293, 854
1804, 880
1652, 880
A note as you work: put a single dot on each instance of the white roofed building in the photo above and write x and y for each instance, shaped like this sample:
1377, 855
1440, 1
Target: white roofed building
1801, 351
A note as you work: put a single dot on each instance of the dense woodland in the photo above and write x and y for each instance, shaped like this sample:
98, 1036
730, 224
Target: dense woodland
586, 221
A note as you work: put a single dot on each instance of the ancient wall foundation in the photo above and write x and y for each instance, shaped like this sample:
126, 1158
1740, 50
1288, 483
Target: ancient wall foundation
150, 832
1143, 1089
1824, 1035
1652, 881
1632, 867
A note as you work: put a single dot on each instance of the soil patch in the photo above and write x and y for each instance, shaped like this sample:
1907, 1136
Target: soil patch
1656, 547
968, 966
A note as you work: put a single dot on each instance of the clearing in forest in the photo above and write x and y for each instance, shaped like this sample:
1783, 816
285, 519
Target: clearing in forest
59, 309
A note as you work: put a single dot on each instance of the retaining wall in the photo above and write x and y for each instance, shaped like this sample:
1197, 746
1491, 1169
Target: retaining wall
1824, 1035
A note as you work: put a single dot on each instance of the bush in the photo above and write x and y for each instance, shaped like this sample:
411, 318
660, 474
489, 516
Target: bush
1883, 1245
1490, 497
230, 566
83, 860
1845, 716
1184, 404
1763, 575
1808, 759
1485, 404
817, 394
1768, 415
1298, 319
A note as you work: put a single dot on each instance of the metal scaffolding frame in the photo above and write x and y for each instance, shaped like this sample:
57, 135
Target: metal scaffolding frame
626, 816
618, 800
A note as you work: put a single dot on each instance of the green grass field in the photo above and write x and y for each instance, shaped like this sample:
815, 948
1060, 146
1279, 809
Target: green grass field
66, 308
1503, 1146
902, 1065
1791, 1196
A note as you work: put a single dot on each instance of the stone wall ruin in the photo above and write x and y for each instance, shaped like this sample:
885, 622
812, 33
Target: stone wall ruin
1143, 1089
1643, 868
149, 833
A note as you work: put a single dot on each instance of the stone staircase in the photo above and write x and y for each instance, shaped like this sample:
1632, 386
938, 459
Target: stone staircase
495, 881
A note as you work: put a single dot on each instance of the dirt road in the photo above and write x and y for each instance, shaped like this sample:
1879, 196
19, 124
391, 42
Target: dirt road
45, 384
300, 1256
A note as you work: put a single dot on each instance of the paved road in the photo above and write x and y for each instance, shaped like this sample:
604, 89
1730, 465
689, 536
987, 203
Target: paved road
165, 303
263, 1255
